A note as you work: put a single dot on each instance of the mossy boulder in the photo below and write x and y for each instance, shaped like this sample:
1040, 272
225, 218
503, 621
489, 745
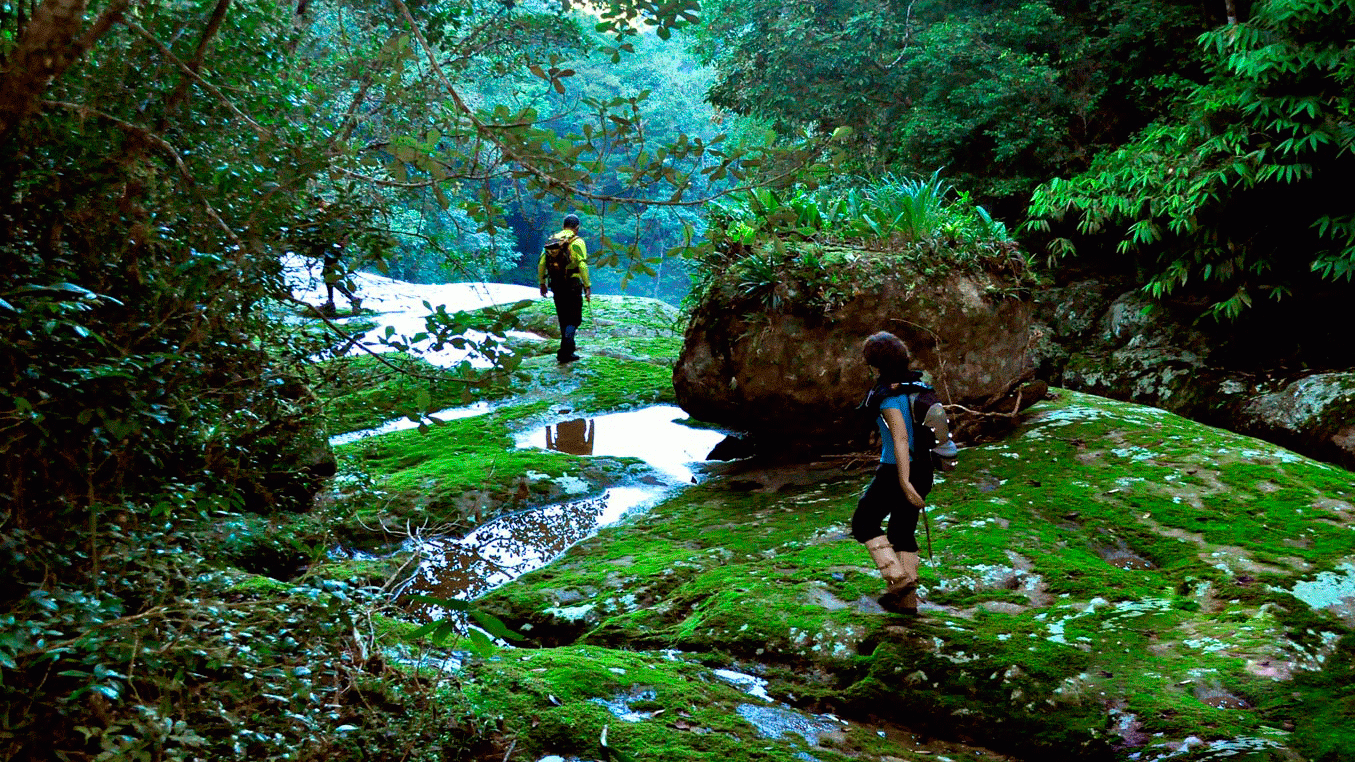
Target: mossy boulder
1314, 413
1098, 338
781, 359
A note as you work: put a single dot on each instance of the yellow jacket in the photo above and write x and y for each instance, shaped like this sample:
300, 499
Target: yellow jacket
578, 259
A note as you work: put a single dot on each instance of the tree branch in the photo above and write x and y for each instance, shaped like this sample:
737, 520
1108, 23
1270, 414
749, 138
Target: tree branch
191, 73
907, 35
165, 147
527, 165
180, 93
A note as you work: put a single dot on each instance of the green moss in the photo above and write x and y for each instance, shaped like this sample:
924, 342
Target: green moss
467, 470
366, 572
555, 701
363, 391
1099, 568
1122, 546
609, 384
261, 585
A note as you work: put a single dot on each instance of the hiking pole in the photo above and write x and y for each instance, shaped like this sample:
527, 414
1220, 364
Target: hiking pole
927, 524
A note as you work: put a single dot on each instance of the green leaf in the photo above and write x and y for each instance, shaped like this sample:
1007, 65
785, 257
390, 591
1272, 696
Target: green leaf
481, 644
451, 604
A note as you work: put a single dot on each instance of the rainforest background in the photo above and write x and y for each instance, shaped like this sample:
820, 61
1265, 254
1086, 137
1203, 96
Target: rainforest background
158, 158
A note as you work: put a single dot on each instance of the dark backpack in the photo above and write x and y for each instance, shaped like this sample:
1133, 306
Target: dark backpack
921, 440
558, 261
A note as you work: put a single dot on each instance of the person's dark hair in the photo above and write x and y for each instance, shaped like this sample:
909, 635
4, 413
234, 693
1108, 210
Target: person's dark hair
572, 221
887, 354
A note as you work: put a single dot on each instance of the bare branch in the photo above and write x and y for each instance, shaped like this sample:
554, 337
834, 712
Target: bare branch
907, 35
352, 341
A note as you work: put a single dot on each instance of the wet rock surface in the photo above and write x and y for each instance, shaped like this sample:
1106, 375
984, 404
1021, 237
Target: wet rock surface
1107, 340
1111, 582
1181, 595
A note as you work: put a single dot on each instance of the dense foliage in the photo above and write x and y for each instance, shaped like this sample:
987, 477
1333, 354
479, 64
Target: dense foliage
664, 89
156, 160
1241, 193
1001, 95
814, 250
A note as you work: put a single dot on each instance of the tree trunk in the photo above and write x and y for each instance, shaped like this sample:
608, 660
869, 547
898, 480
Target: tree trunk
47, 46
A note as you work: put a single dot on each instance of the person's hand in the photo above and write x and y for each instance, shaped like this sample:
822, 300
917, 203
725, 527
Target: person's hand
588, 294
543, 289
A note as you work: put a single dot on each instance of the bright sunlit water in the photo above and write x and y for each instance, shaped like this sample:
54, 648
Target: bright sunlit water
651, 434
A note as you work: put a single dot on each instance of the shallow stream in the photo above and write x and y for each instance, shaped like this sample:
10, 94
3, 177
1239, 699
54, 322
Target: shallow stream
509, 546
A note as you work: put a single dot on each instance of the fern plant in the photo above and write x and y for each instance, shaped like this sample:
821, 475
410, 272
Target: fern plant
887, 210
787, 247
913, 210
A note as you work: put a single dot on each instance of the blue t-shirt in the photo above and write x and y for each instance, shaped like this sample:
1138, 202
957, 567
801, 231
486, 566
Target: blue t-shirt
898, 402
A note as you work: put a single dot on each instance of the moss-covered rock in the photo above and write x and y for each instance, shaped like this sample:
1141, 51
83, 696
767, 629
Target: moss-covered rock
1129, 347
449, 475
364, 391
1111, 580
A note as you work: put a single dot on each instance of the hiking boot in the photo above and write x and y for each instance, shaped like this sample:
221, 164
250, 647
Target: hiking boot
893, 571
902, 599
564, 359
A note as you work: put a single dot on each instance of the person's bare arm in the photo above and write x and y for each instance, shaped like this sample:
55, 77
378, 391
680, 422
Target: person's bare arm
898, 429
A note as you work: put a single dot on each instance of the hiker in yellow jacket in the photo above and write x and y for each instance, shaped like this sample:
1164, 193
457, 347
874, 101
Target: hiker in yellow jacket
564, 261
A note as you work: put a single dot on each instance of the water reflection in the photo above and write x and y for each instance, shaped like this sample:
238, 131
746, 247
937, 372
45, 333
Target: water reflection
513, 545
652, 434
573, 436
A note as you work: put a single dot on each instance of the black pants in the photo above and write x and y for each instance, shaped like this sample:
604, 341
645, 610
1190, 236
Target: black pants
884, 499
569, 311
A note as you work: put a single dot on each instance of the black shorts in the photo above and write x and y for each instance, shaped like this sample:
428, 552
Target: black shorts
884, 499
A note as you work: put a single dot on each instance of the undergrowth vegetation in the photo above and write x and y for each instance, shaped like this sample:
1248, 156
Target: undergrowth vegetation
164, 654
1240, 193
816, 249
883, 212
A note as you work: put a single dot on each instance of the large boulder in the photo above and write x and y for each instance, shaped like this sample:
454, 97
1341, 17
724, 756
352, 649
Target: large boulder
1314, 414
785, 365
1112, 340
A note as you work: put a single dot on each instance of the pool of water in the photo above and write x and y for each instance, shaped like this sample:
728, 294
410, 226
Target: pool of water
652, 434
510, 546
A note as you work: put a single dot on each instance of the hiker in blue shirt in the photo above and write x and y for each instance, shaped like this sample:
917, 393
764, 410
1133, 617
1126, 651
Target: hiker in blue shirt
913, 427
